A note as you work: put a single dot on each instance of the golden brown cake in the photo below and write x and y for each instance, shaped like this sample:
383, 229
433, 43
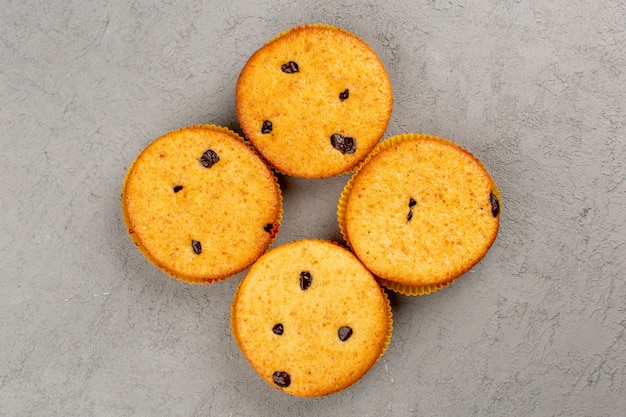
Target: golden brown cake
310, 318
314, 101
419, 212
201, 204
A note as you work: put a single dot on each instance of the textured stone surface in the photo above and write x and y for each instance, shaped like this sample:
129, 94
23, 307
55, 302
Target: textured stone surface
536, 89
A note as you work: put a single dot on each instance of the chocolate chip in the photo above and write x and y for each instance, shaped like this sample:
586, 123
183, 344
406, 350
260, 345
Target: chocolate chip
344, 333
281, 379
267, 127
178, 188
209, 158
343, 144
495, 205
278, 329
290, 68
272, 229
412, 204
305, 280
344, 94
197, 247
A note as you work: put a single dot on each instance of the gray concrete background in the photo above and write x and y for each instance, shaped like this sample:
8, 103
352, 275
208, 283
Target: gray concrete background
534, 88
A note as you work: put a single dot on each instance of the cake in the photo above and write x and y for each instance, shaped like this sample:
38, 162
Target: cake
201, 204
314, 101
310, 318
419, 212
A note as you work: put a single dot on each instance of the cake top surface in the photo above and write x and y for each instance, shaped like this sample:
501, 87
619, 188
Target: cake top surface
314, 101
310, 310
200, 203
420, 211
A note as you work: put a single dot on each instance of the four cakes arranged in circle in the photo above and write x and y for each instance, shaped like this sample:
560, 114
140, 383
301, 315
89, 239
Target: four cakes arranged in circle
201, 204
314, 101
310, 316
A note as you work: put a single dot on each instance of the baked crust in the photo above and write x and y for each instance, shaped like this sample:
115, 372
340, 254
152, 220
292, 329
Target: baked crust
231, 209
340, 88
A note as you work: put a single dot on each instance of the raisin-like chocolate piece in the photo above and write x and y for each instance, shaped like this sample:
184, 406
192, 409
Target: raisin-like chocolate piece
209, 158
412, 204
267, 127
290, 68
278, 329
495, 205
344, 94
197, 247
272, 229
305, 280
344, 333
178, 188
343, 144
282, 379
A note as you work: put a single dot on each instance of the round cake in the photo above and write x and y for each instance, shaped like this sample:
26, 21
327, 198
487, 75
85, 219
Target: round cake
310, 318
419, 212
314, 101
201, 204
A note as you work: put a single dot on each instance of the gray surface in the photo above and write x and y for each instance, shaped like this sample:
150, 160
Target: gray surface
536, 89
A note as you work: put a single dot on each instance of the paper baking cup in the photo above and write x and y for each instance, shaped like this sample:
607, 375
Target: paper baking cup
413, 290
